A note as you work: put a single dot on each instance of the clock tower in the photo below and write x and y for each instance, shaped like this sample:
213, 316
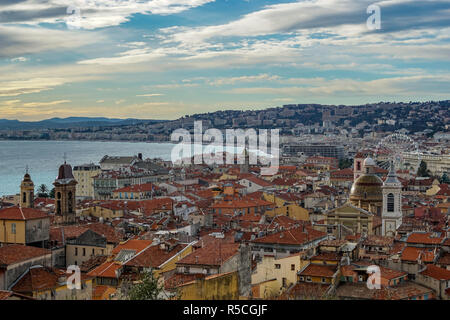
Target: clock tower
392, 204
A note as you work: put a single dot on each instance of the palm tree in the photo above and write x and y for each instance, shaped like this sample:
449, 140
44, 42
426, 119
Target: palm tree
43, 191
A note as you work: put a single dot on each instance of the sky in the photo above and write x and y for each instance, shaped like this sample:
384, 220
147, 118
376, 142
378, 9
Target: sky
163, 59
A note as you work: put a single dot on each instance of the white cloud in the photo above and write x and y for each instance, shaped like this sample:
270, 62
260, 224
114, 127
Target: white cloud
150, 95
91, 14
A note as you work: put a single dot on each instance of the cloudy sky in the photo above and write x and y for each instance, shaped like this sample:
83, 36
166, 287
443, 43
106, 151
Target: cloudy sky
162, 59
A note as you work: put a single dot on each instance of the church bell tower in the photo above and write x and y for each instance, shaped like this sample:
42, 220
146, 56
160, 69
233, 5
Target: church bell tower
27, 192
392, 204
65, 187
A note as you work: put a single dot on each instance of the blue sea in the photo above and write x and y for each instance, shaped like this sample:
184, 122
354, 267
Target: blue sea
43, 158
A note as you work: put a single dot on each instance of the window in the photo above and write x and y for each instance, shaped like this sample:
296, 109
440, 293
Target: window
13, 228
302, 278
324, 280
293, 267
390, 202
308, 279
76, 251
84, 252
358, 165
277, 266
284, 282
93, 251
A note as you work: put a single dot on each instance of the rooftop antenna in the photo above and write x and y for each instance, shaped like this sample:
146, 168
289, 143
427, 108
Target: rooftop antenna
26, 169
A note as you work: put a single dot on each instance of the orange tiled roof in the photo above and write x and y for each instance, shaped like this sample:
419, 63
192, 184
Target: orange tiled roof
318, 270
17, 213
14, 253
424, 238
106, 270
293, 236
38, 279
154, 256
132, 244
214, 253
413, 254
436, 272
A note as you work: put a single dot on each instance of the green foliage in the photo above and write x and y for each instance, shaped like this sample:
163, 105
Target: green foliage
423, 170
445, 178
42, 191
52, 193
345, 163
148, 288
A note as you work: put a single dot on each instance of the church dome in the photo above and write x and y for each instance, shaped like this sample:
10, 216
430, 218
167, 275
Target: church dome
367, 188
369, 162
65, 172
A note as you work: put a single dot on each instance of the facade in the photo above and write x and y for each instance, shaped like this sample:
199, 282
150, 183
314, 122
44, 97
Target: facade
346, 218
25, 226
315, 149
84, 175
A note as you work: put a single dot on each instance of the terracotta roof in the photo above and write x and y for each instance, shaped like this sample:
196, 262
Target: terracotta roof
17, 253
254, 179
319, 270
132, 244
390, 274
327, 256
293, 236
106, 270
436, 272
38, 279
145, 187
17, 213
241, 203
179, 279
213, 254
154, 256
413, 254
425, 238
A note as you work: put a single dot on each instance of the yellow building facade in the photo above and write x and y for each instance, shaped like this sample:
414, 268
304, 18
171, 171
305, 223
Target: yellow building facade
285, 208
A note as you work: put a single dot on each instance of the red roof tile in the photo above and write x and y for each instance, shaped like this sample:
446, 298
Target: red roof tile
436, 272
17, 213
17, 253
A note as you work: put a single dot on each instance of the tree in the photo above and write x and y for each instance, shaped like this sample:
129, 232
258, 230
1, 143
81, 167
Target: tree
445, 178
148, 288
423, 170
43, 191
345, 163
52, 193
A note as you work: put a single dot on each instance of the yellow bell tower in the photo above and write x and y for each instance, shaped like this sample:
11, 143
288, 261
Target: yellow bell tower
65, 190
27, 191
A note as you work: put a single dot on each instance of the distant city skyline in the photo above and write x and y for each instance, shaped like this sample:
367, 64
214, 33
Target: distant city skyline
166, 59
